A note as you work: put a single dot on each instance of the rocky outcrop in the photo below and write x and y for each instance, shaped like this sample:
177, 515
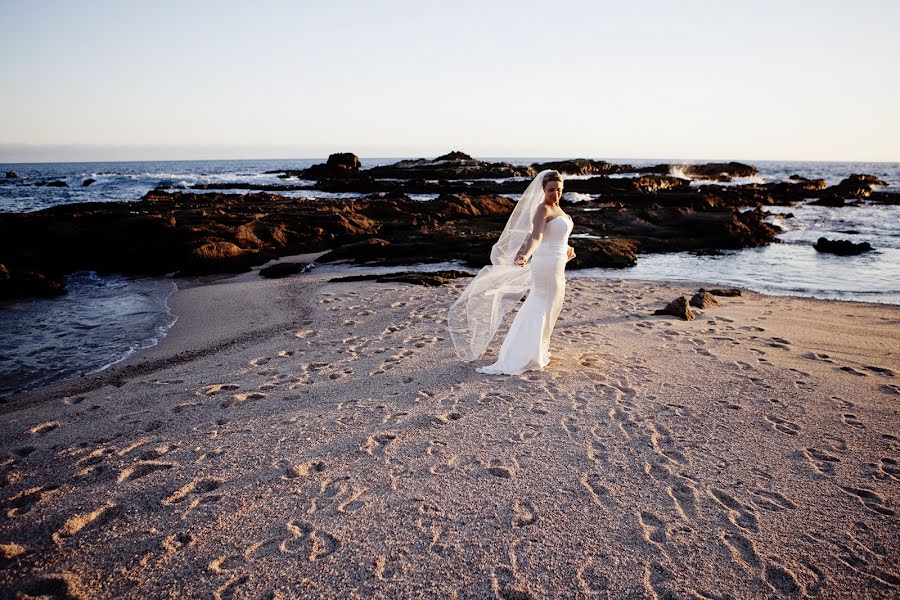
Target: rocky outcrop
20, 283
454, 155
854, 187
728, 292
842, 247
604, 253
582, 166
709, 171
186, 233
12, 175
344, 165
426, 278
459, 166
678, 307
88, 182
703, 299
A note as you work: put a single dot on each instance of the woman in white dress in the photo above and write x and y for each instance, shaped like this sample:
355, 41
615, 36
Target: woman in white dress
539, 230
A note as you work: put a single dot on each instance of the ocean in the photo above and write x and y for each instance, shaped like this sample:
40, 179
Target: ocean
104, 320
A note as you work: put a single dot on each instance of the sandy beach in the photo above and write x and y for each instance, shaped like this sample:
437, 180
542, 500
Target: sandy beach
297, 438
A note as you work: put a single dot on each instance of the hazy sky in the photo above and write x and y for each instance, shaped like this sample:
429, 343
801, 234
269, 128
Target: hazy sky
787, 79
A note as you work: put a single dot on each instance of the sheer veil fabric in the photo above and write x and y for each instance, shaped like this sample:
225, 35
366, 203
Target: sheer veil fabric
474, 317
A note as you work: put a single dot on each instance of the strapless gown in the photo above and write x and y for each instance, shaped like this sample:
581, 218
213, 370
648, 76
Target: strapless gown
527, 344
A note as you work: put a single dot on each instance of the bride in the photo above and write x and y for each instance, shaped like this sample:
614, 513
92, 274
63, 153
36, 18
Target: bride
537, 229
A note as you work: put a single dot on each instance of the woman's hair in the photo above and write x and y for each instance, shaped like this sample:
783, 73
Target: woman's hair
551, 176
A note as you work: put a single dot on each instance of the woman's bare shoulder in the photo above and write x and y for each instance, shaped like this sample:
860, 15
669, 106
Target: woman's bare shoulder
542, 211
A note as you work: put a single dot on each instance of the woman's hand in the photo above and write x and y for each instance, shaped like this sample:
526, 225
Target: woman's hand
520, 260
570, 253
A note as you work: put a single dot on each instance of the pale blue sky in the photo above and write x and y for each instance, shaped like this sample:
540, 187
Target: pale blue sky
789, 79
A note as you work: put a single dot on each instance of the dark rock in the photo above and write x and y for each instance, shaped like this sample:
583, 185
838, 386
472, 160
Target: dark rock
833, 201
887, 198
52, 183
454, 155
727, 292
703, 299
87, 182
854, 187
605, 253
429, 278
678, 307
280, 270
863, 179
339, 166
20, 284
186, 233
711, 171
841, 247
582, 166
359, 252
809, 184
461, 166
12, 175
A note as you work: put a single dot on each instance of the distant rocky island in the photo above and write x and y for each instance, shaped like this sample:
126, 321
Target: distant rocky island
630, 211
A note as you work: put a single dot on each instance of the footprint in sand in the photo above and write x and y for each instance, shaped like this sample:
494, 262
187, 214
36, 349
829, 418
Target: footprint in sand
76, 523
198, 487
212, 390
870, 500
771, 501
684, 496
239, 399
853, 371
524, 513
880, 370
597, 491
822, 462
43, 428
142, 469
852, 421
782, 580
25, 500
338, 494
376, 444
818, 356
741, 548
728, 404
654, 529
291, 471
446, 418
738, 513
783, 425
176, 542
497, 468
664, 445
841, 403
889, 467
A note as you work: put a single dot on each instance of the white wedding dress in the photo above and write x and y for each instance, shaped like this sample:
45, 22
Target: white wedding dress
527, 345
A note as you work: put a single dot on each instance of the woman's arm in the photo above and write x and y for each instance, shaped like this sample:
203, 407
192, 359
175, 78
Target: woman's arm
537, 233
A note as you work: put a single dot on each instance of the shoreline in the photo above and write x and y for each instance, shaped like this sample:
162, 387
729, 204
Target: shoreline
196, 336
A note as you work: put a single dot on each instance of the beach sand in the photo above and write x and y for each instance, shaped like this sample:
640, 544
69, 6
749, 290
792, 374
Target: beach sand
297, 438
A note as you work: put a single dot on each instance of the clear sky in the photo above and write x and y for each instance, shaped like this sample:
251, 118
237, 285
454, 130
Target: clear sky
119, 80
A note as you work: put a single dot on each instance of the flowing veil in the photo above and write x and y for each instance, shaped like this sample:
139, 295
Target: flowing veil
474, 317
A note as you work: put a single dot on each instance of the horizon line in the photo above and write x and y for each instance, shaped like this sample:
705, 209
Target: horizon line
484, 158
